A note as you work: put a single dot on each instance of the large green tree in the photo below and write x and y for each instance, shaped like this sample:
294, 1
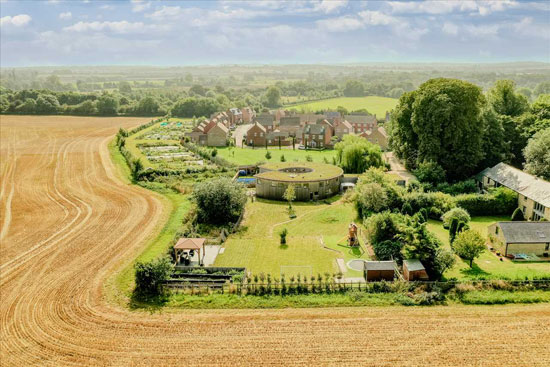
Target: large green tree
356, 154
440, 122
537, 154
273, 97
219, 201
107, 105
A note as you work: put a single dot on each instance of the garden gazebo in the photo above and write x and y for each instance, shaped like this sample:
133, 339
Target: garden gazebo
189, 244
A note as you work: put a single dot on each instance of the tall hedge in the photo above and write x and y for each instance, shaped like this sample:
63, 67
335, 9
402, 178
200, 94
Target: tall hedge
501, 201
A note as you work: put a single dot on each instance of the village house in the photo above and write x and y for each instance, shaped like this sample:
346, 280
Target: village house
512, 238
267, 120
235, 116
310, 118
316, 136
342, 128
328, 125
377, 136
256, 135
248, 115
279, 137
217, 135
533, 192
290, 125
362, 123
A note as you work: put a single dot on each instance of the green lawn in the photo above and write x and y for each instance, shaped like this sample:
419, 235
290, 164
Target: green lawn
252, 156
373, 104
488, 265
257, 246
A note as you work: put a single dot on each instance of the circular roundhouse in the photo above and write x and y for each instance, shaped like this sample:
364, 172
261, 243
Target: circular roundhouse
311, 181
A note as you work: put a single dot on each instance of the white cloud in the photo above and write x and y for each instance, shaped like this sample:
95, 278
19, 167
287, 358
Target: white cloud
450, 28
106, 7
340, 24
482, 7
114, 27
377, 18
328, 6
20, 20
140, 5
65, 15
528, 28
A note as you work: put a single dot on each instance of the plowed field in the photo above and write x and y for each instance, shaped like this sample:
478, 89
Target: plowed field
68, 222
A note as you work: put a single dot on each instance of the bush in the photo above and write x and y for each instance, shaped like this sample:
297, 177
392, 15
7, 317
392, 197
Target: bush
500, 201
219, 201
282, 235
430, 172
150, 276
459, 214
517, 216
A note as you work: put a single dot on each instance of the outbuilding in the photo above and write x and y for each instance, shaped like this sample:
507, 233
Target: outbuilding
379, 270
414, 270
511, 238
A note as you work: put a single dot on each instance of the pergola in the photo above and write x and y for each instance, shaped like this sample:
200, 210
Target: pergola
186, 244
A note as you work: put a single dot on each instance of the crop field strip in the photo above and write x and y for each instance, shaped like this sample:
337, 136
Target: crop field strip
72, 223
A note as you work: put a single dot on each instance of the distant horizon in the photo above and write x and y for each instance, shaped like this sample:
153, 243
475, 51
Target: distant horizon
60, 33
404, 63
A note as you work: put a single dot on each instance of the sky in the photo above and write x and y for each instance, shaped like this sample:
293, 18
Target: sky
166, 33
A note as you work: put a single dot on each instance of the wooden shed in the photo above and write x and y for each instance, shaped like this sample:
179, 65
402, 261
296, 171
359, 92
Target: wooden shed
379, 270
414, 270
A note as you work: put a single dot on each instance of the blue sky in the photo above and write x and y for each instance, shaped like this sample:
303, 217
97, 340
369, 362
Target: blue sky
35, 33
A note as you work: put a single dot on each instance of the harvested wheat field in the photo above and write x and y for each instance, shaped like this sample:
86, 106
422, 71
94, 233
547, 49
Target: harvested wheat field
68, 222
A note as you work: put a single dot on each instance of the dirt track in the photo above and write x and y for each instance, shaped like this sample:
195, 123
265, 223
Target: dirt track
67, 223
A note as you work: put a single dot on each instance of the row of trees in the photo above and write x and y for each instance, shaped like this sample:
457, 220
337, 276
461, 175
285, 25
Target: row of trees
453, 129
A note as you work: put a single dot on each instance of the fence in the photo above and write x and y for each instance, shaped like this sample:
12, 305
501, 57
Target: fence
328, 287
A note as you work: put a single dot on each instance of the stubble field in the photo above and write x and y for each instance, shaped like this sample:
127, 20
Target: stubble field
68, 223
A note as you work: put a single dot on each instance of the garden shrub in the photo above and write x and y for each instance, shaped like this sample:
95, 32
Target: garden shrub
150, 276
459, 214
219, 201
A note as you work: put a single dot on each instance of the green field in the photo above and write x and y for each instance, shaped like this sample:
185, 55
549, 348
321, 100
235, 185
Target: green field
488, 265
244, 156
375, 105
256, 246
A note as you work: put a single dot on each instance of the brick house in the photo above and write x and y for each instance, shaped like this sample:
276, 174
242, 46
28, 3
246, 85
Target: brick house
362, 123
342, 128
266, 120
377, 136
274, 137
256, 135
316, 136
217, 135
248, 115
290, 125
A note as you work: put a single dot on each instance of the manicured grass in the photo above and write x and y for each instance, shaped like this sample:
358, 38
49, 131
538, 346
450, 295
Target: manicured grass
373, 104
488, 265
244, 156
257, 245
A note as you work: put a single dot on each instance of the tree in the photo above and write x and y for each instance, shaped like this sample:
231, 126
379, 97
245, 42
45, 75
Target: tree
430, 172
382, 232
420, 243
444, 260
372, 198
537, 154
461, 215
342, 110
268, 155
440, 122
517, 215
47, 103
283, 158
469, 245
219, 201
137, 167
147, 106
273, 97
107, 105
495, 146
150, 276
356, 154
354, 88
504, 99
290, 195
124, 87
282, 236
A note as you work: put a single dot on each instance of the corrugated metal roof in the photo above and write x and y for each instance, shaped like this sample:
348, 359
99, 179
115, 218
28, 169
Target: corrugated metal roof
523, 183
525, 232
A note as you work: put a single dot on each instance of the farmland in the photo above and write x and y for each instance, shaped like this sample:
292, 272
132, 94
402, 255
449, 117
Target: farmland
375, 105
87, 223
